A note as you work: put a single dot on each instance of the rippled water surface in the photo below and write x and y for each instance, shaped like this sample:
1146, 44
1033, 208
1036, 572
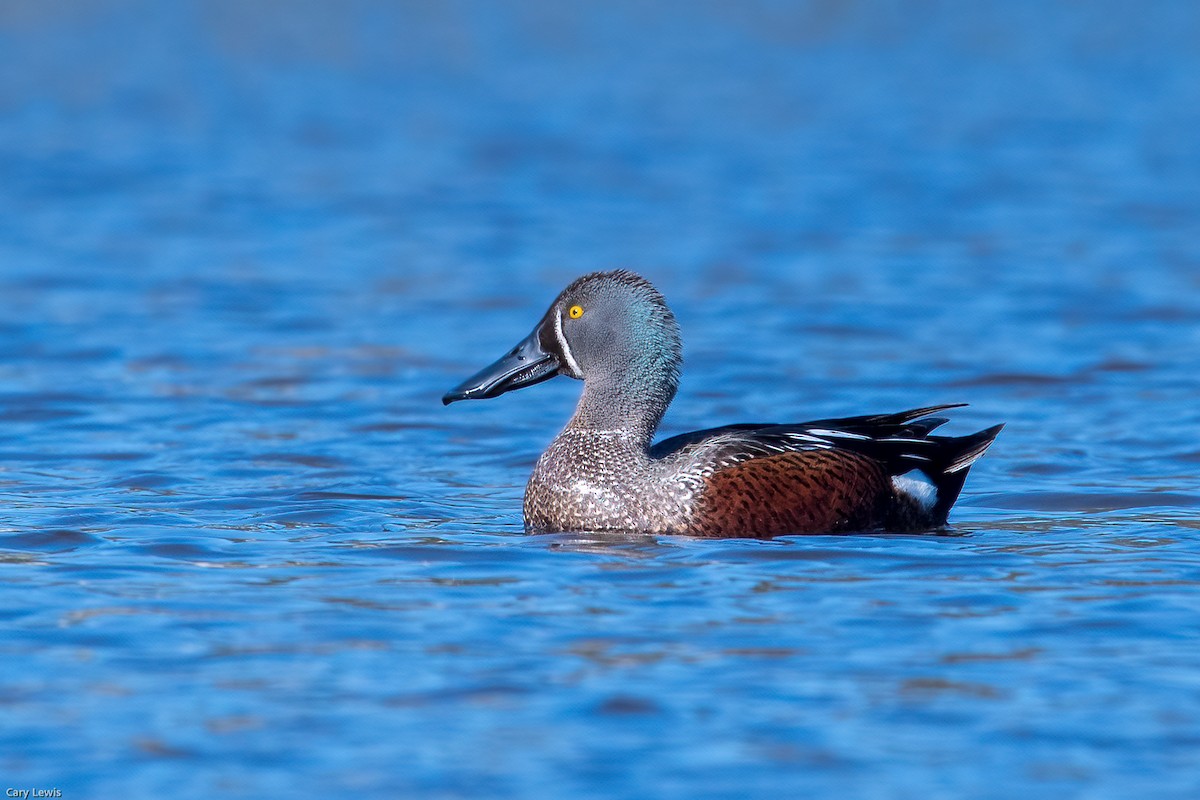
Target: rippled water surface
245, 552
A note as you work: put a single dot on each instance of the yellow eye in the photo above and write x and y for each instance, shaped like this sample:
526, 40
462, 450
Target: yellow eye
576, 312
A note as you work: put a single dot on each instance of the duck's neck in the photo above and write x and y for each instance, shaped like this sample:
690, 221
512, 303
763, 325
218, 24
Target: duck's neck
630, 403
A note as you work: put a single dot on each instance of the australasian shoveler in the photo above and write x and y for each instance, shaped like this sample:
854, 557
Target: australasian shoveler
613, 331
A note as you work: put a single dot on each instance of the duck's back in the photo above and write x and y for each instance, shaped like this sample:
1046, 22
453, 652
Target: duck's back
882, 472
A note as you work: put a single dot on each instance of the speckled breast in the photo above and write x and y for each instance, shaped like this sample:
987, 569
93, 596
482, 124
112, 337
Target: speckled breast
602, 481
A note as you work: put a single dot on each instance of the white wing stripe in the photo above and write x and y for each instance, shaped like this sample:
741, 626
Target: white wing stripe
838, 434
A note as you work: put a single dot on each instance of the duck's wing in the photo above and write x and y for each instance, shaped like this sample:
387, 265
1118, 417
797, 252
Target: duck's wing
898, 443
853, 433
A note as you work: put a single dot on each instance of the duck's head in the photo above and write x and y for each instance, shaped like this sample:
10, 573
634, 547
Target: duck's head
608, 329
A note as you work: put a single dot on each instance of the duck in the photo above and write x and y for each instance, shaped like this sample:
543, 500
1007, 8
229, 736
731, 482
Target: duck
603, 472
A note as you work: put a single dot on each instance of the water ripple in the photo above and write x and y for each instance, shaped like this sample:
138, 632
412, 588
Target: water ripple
247, 553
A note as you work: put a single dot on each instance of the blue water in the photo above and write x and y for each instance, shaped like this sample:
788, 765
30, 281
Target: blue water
244, 248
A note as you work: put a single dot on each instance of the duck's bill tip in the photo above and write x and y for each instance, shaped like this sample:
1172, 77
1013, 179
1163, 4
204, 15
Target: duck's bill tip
504, 376
472, 389
526, 364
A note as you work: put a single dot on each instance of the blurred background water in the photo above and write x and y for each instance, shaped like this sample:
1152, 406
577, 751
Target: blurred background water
244, 248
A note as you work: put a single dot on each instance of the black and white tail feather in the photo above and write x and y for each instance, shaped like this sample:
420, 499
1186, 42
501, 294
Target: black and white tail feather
929, 469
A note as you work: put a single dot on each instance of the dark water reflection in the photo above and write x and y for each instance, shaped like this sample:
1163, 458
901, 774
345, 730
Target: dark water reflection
247, 553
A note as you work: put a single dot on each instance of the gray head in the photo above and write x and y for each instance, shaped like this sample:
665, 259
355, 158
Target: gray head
616, 327
613, 331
